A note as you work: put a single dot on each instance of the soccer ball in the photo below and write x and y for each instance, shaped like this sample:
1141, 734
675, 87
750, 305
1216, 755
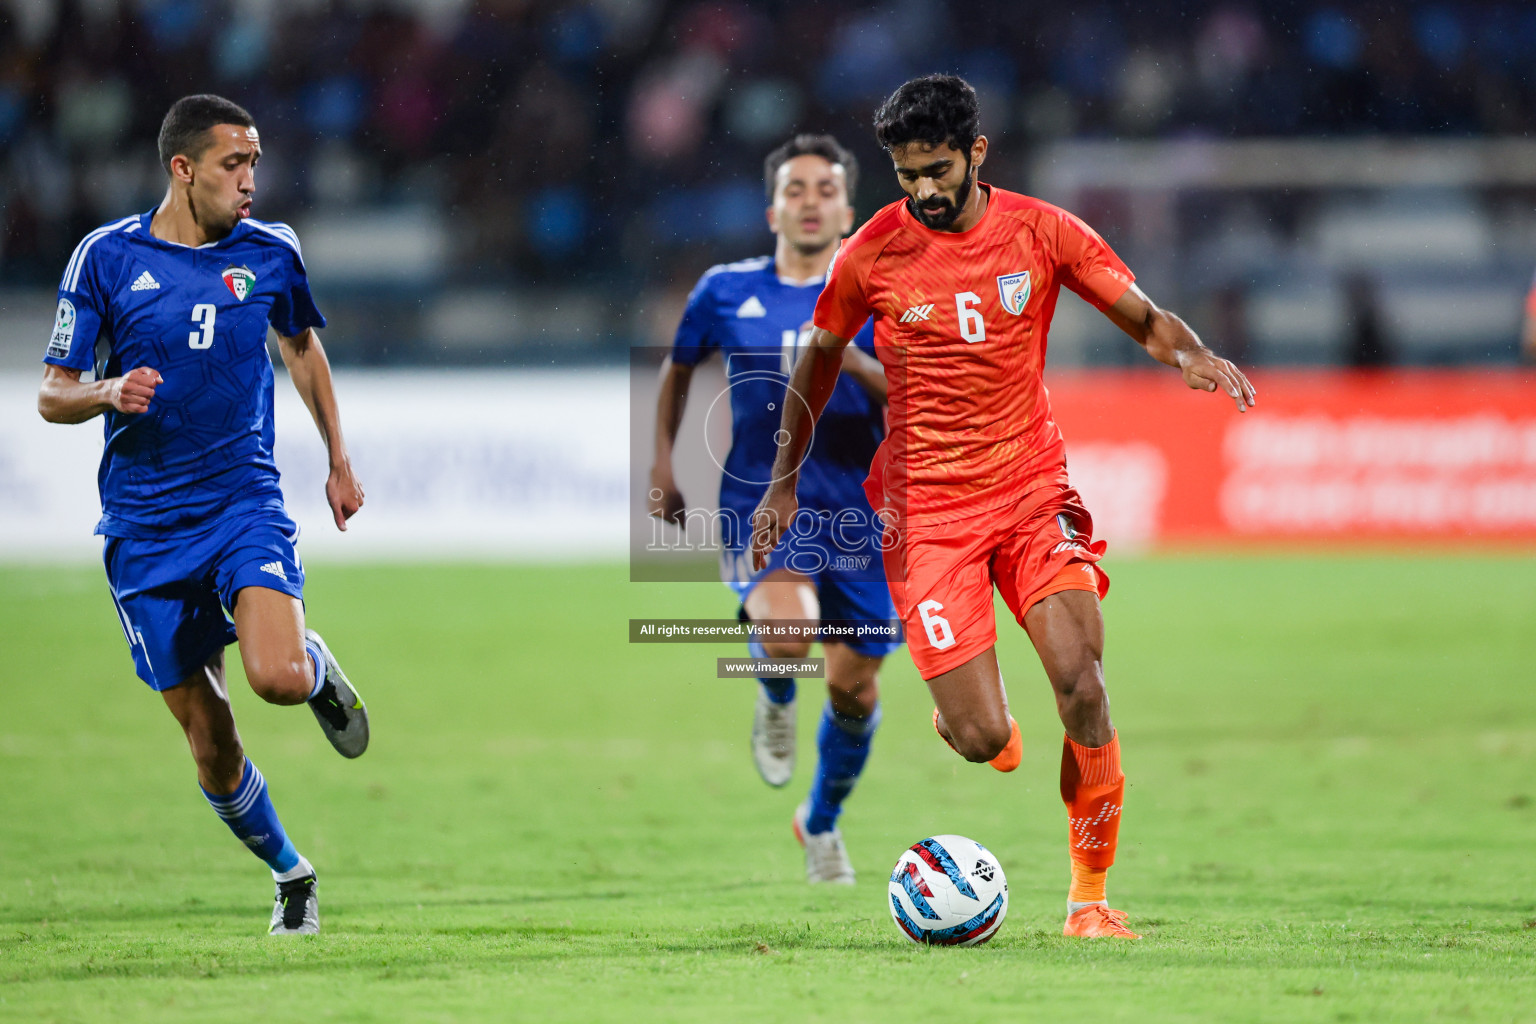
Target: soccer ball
948, 891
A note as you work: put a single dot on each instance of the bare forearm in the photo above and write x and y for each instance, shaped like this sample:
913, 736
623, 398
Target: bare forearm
1173, 342
1167, 338
810, 385
311, 373
319, 395
814, 377
68, 400
671, 403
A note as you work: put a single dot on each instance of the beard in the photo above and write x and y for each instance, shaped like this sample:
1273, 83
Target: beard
938, 212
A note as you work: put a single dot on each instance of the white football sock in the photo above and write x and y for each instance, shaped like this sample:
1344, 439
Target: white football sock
299, 870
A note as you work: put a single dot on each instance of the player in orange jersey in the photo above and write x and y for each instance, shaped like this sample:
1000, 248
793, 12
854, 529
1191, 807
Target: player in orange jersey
961, 279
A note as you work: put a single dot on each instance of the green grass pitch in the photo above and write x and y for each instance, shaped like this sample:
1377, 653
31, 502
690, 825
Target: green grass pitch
1331, 815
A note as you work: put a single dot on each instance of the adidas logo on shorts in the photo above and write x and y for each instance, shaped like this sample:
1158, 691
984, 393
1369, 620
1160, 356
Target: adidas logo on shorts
276, 569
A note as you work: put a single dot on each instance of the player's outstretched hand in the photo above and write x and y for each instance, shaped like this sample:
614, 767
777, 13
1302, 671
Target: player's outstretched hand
132, 391
1206, 371
769, 521
343, 493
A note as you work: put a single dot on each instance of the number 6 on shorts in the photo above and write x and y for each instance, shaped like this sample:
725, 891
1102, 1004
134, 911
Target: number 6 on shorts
937, 627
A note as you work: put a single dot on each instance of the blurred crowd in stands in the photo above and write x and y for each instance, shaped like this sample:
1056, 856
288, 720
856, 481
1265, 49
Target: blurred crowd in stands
609, 143
555, 131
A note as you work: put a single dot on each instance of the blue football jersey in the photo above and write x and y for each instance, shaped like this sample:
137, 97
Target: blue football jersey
199, 317
757, 322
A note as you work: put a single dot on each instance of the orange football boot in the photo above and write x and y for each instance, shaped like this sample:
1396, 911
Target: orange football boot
1097, 921
1011, 755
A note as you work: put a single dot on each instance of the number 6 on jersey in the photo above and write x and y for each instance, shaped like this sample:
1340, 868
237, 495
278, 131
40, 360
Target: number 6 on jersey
972, 329
203, 314
937, 626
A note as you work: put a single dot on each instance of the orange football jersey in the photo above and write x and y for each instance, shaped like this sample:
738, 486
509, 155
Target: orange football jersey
960, 326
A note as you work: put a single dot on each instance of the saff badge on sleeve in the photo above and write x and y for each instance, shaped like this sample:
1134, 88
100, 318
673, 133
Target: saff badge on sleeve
63, 331
1013, 290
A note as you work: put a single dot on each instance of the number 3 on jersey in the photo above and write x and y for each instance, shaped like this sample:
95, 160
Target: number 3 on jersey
971, 327
203, 314
940, 636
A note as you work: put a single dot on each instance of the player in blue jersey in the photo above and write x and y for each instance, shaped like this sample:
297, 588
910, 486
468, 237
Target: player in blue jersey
177, 301
754, 313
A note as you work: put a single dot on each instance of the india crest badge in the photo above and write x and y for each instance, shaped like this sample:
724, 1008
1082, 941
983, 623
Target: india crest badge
1013, 290
240, 281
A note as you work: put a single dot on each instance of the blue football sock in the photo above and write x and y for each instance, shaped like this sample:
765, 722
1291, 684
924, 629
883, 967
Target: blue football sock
842, 744
248, 813
781, 689
317, 664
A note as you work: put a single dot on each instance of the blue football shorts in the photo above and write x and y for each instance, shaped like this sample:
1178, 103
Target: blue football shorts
172, 592
849, 580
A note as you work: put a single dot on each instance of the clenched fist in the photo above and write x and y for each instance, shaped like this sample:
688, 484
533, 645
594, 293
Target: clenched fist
132, 391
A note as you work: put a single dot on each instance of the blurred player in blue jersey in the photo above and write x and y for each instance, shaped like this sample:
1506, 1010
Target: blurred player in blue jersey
178, 300
754, 313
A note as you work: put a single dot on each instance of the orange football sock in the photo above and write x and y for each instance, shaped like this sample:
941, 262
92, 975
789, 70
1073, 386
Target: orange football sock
1010, 756
1093, 788
1087, 885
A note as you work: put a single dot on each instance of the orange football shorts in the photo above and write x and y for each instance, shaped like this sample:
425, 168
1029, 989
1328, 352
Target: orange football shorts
941, 575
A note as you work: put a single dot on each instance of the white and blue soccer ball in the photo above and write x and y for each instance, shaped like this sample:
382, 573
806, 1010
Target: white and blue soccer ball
948, 891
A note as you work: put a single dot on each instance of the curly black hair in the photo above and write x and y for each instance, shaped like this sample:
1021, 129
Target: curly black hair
934, 110
183, 132
824, 146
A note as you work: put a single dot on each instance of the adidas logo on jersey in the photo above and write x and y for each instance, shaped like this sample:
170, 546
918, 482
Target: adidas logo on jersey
276, 569
917, 313
751, 308
144, 283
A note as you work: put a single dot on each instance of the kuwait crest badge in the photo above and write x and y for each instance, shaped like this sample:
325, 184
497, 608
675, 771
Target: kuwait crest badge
240, 281
1013, 289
